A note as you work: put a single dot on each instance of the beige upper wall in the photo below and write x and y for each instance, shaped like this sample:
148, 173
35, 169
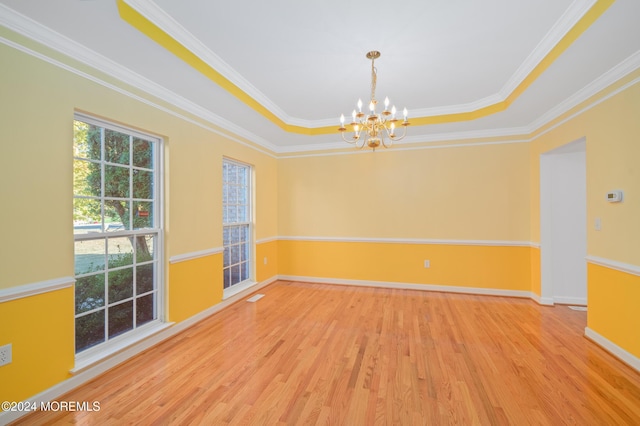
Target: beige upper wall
195, 190
462, 193
36, 117
36, 169
611, 129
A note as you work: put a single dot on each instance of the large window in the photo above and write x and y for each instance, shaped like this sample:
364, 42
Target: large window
116, 232
236, 204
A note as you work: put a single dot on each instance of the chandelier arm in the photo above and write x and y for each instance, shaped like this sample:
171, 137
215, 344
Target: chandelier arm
352, 141
391, 139
386, 130
404, 133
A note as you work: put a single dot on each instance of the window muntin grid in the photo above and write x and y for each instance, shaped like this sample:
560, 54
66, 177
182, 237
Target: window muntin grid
116, 232
236, 205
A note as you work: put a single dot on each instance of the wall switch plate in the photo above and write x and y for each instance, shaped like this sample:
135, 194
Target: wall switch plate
598, 224
5, 354
265, 260
427, 263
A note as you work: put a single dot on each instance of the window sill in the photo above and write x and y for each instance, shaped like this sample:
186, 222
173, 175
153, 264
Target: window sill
91, 357
236, 289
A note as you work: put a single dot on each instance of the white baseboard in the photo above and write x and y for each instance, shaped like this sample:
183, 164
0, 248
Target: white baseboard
546, 301
220, 306
90, 373
582, 301
410, 286
624, 356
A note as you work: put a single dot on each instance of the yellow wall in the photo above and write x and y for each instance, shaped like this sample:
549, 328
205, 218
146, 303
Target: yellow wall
461, 193
535, 271
467, 193
39, 329
486, 267
267, 264
613, 306
199, 277
611, 129
36, 117
37, 236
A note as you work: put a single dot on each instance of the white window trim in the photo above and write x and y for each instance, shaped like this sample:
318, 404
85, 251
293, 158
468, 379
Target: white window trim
96, 354
238, 288
112, 346
250, 281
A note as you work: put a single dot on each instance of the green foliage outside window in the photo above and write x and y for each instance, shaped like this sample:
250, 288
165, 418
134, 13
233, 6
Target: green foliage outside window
113, 191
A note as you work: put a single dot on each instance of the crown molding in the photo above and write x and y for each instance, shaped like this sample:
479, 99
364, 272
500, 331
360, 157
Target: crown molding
416, 141
567, 21
59, 43
610, 77
161, 19
37, 32
170, 26
460, 108
554, 36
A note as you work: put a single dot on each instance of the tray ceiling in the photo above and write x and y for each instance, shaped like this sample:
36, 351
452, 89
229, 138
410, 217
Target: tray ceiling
280, 73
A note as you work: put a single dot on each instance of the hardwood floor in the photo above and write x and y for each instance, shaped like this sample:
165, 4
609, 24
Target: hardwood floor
339, 355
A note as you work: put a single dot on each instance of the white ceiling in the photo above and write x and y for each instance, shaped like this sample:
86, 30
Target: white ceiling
305, 61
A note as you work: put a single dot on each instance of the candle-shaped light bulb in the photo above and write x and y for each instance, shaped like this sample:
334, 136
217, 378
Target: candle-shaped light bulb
393, 111
341, 120
386, 103
356, 129
359, 105
405, 113
353, 116
372, 107
393, 128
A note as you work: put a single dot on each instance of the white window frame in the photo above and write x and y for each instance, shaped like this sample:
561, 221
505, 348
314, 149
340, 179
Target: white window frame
247, 224
115, 344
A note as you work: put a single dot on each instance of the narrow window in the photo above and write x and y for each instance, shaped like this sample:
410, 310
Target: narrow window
116, 231
236, 204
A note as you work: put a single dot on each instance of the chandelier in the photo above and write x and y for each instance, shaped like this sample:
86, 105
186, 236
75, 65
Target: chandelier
374, 129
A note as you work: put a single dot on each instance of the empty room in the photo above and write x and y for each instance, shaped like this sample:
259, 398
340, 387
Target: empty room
343, 213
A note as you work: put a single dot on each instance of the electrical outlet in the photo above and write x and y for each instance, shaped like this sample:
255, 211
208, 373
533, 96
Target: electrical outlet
5, 354
265, 260
427, 263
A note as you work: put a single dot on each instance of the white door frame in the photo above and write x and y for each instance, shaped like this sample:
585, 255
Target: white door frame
546, 214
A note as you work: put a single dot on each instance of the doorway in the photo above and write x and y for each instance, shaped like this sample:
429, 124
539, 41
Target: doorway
563, 224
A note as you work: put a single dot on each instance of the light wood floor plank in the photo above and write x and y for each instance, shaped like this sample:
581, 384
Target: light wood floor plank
312, 354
